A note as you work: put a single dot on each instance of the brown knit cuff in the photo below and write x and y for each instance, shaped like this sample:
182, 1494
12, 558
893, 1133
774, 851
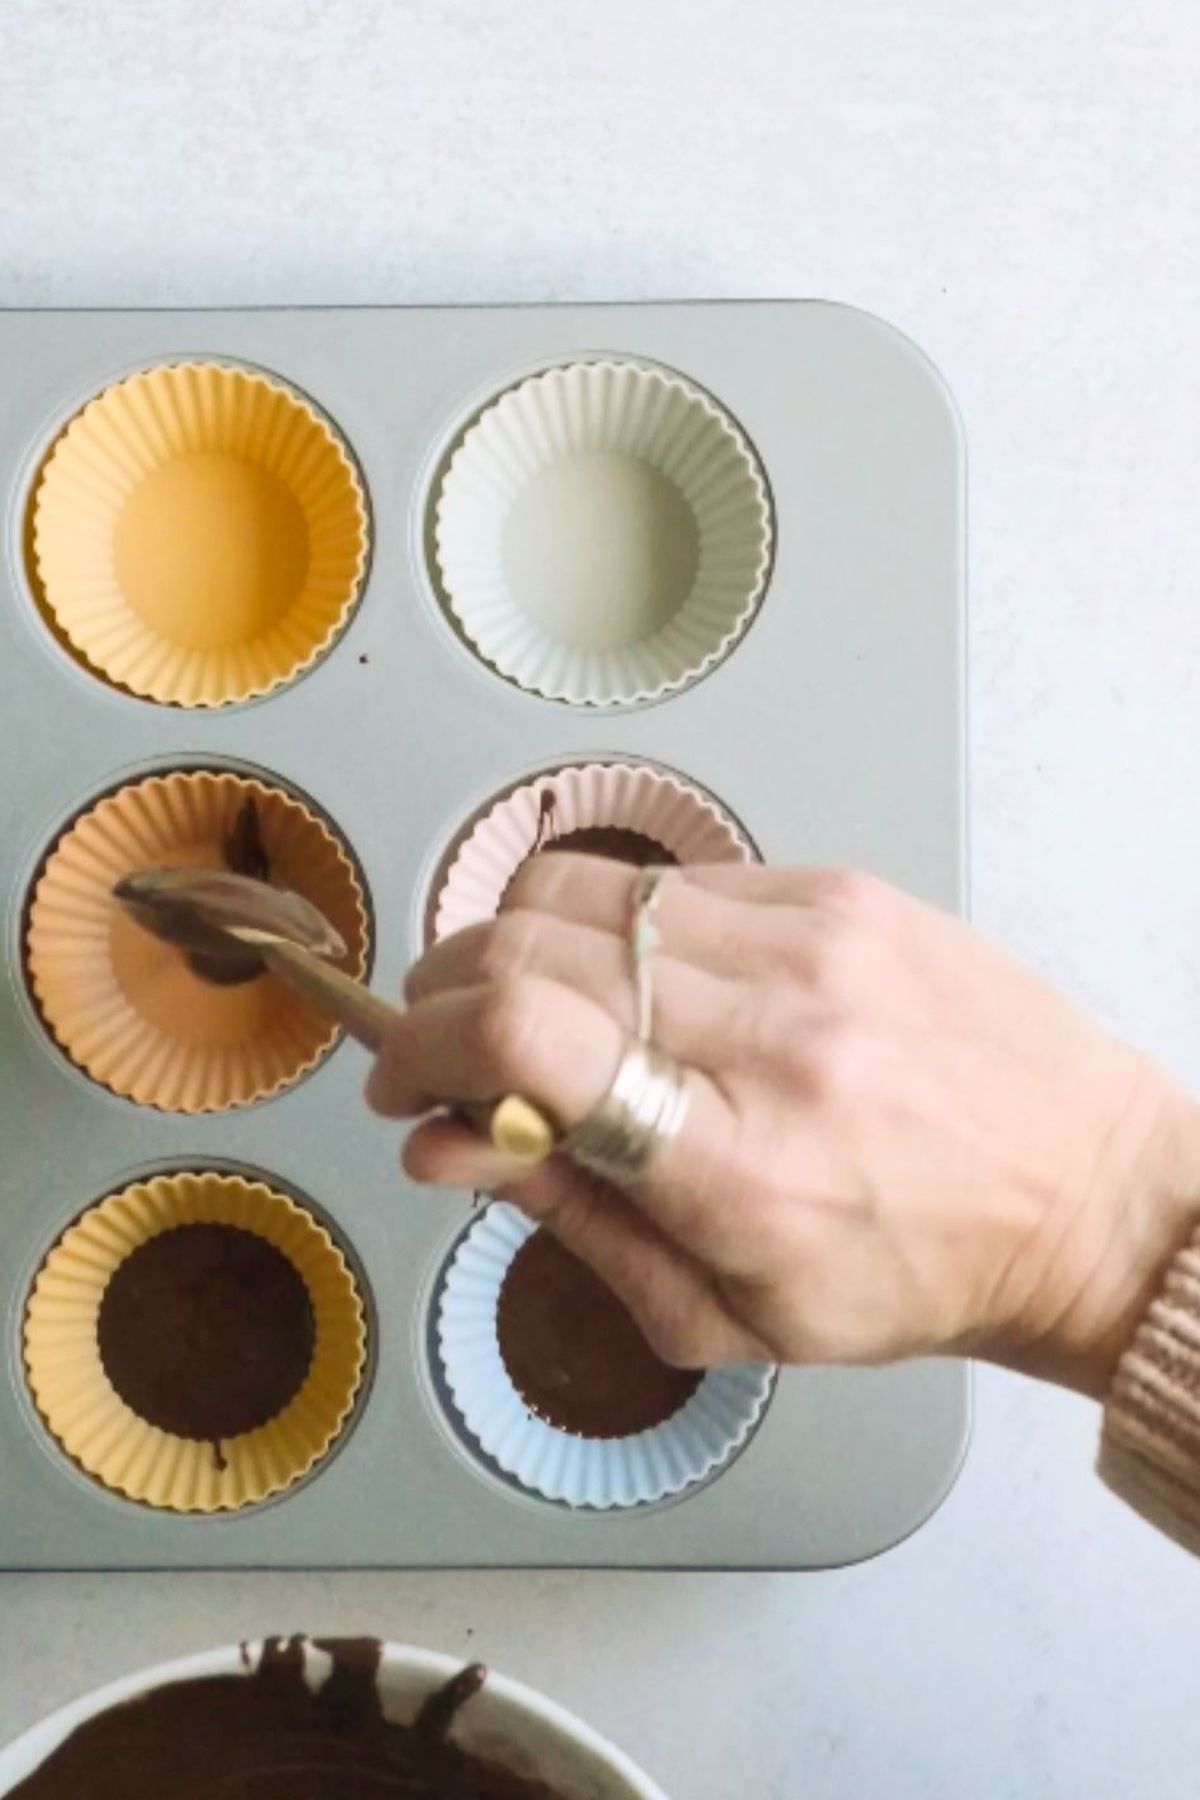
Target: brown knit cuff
1150, 1445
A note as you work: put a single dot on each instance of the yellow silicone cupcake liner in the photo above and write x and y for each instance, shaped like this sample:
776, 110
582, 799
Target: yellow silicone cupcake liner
199, 535
102, 1434
127, 1009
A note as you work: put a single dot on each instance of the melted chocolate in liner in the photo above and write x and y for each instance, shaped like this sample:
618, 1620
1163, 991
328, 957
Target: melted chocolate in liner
574, 1354
617, 842
206, 1331
266, 1736
244, 854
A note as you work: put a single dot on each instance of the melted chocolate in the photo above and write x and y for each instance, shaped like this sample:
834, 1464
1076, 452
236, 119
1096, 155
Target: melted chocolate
244, 851
574, 1354
617, 842
245, 854
266, 1736
206, 1331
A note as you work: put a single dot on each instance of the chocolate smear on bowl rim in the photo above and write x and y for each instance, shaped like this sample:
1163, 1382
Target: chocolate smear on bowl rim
266, 1734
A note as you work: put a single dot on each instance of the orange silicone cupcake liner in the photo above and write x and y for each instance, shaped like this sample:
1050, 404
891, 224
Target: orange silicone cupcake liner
199, 535
129, 1010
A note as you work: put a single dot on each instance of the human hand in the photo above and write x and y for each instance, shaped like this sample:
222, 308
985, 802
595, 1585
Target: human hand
898, 1140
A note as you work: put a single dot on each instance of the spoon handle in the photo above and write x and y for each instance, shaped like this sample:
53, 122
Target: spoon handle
515, 1126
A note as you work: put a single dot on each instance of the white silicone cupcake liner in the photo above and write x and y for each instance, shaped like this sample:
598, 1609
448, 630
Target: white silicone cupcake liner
603, 534
661, 806
583, 1472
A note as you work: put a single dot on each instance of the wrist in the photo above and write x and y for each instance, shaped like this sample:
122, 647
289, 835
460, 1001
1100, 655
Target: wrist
1106, 1254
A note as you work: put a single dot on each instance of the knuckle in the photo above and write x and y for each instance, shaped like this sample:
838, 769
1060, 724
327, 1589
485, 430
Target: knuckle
849, 894
772, 1023
768, 1023
534, 884
837, 953
507, 946
500, 1032
838, 1064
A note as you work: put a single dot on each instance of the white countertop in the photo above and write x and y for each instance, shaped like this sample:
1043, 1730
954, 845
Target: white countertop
1014, 187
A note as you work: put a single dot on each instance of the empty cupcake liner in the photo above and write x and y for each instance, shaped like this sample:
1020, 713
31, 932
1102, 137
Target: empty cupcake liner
92, 1423
603, 534
199, 535
583, 1472
127, 1009
661, 806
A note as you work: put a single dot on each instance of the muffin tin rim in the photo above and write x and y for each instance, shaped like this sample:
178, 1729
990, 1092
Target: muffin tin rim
789, 337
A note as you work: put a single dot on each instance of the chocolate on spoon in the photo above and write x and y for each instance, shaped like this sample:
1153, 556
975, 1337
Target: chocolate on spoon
245, 854
222, 915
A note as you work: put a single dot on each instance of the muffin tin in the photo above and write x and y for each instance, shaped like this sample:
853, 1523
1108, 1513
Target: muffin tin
804, 695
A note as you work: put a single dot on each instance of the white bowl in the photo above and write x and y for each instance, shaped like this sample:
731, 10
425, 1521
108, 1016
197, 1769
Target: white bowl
506, 1721
603, 534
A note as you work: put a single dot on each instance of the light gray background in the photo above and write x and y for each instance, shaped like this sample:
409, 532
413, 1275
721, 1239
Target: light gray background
1013, 186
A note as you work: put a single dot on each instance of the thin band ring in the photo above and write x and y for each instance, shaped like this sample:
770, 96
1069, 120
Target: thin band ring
644, 939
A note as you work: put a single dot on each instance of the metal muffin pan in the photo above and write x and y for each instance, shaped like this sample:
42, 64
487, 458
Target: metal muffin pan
833, 733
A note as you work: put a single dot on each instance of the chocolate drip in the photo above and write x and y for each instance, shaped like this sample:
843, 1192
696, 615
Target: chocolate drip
617, 842
245, 854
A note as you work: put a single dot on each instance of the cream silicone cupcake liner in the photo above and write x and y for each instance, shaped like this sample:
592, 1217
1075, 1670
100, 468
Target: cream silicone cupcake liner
600, 1473
199, 535
603, 534
127, 1009
658, 805
92, 1423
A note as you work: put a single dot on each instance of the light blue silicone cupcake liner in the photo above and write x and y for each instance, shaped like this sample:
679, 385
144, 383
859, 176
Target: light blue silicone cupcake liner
586, 1472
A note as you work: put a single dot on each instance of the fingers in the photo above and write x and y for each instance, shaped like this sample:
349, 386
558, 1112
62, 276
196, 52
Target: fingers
732, 920
597, 891
445, 1152
695, 1012
527, 1035
670, 1295
559, 1049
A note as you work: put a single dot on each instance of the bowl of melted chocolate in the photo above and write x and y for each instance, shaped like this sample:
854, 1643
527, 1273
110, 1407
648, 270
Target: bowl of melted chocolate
322, 1719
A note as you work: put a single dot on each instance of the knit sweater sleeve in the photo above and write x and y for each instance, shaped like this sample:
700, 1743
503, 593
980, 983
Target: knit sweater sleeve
1150, 1443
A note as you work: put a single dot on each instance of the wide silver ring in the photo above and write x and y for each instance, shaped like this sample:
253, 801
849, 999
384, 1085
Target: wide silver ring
643, 1109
